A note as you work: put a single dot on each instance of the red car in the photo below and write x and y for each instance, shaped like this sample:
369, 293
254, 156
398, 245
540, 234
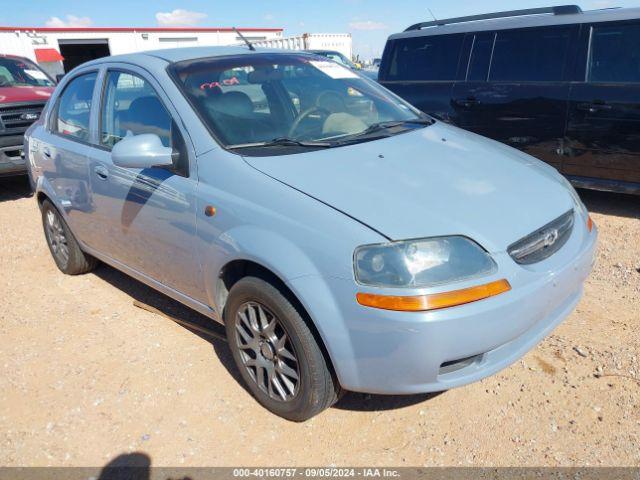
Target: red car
24, 90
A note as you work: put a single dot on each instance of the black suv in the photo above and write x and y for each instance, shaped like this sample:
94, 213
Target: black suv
558, 83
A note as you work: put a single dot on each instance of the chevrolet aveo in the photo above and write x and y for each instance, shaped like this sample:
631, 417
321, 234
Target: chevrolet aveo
346, 240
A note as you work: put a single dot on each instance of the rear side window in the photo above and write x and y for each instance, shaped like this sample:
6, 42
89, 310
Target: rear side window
429, 58
132, 107
534, 55
615, 56
74, 107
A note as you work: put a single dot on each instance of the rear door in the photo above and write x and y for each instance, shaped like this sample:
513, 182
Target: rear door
468, 113
603, 131
422, 70
63, 152
517, 88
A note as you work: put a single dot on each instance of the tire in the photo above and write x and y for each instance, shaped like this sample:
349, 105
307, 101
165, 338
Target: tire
63, 246
267, 340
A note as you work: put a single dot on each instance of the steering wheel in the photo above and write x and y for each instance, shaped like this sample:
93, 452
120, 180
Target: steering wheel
304, 115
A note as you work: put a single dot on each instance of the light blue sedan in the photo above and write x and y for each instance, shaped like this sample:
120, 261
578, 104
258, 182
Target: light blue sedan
345, 240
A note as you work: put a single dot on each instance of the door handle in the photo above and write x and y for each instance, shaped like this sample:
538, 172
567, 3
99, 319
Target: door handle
46, 152
593, 107
101, 172
467, 102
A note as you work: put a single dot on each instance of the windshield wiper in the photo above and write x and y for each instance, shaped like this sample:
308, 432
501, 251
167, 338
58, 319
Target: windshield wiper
283, 142
381, 126
384, 126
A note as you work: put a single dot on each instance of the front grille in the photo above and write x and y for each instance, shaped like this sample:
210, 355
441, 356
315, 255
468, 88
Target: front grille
19, 116
544, 242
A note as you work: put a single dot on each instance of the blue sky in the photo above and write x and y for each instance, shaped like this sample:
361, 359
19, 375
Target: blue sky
369, 21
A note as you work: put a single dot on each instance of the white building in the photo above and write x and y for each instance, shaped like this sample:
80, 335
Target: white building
58, 50
339, 42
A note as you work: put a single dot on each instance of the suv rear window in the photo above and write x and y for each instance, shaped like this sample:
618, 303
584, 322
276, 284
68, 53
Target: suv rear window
534, 55
428, 58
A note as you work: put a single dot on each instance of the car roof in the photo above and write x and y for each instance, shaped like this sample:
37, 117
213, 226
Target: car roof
172, 55
14, 57
524, 21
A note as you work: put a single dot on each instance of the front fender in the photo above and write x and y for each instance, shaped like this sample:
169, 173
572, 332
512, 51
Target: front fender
264, 247
302, 276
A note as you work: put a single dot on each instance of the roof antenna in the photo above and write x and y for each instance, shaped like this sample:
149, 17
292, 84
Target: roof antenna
251, 47
434, 17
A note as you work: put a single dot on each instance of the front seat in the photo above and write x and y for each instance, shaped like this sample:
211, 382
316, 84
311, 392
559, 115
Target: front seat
147, 115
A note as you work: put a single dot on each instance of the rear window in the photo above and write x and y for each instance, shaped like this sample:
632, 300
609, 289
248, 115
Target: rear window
16, 72
429, 58
615, 56
534, 55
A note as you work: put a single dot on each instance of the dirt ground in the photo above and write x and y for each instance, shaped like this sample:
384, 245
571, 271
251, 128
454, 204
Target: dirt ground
85, 376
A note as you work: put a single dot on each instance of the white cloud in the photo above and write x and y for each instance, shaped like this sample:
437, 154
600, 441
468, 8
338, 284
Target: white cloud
367, 25
71, 21
179, 17
269, 16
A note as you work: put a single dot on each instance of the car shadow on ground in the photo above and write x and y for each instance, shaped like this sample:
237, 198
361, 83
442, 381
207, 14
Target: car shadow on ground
127, 466
14, 188
169, 307
607, 203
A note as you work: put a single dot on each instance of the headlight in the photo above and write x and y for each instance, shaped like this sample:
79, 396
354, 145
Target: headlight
574, 195
421, 263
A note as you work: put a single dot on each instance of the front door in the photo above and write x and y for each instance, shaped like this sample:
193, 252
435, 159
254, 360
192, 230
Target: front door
516, 90
147, 215
603, 131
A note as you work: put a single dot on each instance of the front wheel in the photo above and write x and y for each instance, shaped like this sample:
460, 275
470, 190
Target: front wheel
276, 352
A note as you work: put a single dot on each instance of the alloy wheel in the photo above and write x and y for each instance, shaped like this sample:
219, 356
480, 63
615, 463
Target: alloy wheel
267, 352
57, 237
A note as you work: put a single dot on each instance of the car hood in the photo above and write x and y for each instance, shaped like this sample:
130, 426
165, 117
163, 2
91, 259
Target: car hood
24, 94
438, 180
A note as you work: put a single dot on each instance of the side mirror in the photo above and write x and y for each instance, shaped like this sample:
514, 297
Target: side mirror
141, 151
59, 77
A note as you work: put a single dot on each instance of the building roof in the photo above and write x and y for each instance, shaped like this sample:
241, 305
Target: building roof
172, 55
133, 29
525, 21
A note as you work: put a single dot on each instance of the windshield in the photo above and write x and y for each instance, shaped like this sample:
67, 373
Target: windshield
290, 100
16, 72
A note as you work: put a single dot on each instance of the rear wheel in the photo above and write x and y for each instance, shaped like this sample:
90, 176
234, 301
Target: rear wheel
276, 352
63, 246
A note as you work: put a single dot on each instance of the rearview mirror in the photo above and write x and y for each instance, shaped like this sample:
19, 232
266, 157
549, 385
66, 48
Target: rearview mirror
141, 151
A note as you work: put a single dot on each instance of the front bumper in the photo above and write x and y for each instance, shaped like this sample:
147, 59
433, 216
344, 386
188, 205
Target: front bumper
379, 351
12, 159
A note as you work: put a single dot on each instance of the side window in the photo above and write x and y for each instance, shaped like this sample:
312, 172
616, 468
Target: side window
131, 107
534, 55
614, 54
425, 58
74, 108
480, 57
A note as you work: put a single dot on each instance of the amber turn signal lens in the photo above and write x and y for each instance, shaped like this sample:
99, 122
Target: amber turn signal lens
589, 223
209, 210
435, 301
